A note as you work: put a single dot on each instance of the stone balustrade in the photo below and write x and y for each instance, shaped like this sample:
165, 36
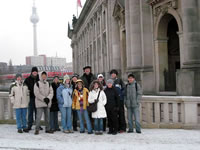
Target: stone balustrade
156, 111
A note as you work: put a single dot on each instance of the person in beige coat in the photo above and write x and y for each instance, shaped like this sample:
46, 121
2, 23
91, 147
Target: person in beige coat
19, 96
43, 98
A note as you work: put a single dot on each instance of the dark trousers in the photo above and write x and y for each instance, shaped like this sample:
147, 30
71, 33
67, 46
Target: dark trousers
112, 120
54, 120
104, 124
121, 117
31, 111
74, 114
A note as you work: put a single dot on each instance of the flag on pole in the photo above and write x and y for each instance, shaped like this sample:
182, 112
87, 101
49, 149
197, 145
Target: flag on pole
79, 3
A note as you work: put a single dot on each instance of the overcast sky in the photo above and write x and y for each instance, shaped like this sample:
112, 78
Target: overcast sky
16, 30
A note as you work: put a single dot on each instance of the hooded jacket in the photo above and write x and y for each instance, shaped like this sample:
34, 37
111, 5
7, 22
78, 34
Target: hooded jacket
19, 95
64, 96
42, 90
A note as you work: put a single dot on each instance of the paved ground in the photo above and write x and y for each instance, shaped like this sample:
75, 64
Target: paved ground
150, 139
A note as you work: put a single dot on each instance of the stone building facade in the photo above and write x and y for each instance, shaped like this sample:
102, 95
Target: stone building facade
157, 40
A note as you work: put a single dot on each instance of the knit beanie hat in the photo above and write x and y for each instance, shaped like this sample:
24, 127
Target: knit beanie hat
109, 81
65, 78
34, 69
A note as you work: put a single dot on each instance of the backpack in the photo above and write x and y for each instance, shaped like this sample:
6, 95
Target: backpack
136, 87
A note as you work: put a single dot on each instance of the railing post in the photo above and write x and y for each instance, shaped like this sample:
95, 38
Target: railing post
2, 109
157, 113
175, 112
166, 113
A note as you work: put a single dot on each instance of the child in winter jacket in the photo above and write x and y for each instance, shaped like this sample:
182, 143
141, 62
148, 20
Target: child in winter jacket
80, 103
64, 96
43, 93
19, 96
96, 91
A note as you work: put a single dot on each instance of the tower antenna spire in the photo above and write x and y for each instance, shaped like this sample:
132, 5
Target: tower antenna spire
34, 19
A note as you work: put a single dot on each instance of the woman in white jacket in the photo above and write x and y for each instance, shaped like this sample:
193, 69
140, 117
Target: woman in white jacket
19, 96
95, 90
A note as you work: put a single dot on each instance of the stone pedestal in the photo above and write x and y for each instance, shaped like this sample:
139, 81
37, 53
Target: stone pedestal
188, 82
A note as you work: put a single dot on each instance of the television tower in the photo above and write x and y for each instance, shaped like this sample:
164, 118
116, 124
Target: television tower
34, 19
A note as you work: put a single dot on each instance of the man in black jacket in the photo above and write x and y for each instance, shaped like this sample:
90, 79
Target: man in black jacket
112, 107
87, 77
119, 85
30, 82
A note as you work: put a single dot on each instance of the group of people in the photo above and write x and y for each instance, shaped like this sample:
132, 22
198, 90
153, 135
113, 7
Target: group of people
72, 98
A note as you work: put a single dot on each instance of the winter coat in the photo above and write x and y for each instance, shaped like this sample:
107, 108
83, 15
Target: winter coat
112, 98
54, 105
64, 96
87, 79
30, 82
132, 97
42, 90
76, 103
101, 111
19, 95
119, 84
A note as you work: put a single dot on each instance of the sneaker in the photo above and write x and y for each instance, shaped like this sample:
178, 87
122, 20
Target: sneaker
75, 129
70, 131
26, 130
49, 131
66, 131
114, 133
82, 131
37, 132
96, 132
20, 131
58, 129
90, 132
100, 132
130, 131
139, 132
29, 128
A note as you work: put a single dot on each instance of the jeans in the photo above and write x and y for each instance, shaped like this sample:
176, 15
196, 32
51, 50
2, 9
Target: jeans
134, 111
46, 117
31, 110
54, 120
98, 124
21, 118
66, 118
84, 114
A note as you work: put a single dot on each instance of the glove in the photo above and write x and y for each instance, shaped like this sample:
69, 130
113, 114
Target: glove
46, 100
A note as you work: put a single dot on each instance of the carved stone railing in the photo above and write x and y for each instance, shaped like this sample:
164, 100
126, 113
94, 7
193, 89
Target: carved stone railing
156, 111
170, 112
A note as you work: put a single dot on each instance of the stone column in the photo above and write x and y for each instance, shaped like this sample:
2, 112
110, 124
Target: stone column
128, 35
115, 31
135, 31
191, 33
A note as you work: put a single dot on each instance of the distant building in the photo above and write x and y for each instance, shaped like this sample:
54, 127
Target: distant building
42, 60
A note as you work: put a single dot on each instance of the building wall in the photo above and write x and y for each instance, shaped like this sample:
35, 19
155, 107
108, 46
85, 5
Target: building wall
136, 36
